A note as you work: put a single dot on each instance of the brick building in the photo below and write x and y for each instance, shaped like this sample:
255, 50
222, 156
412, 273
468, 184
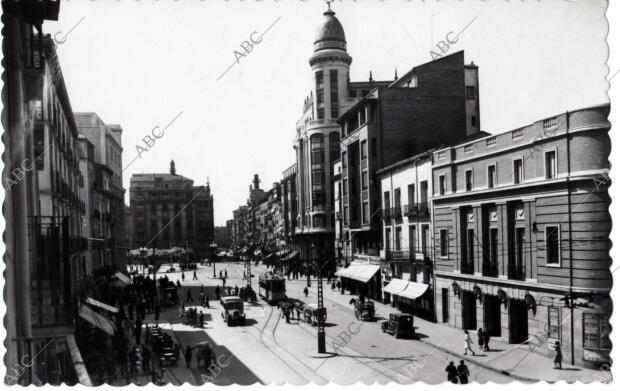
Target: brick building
521, 234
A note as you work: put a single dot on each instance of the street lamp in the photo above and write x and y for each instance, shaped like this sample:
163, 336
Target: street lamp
320, 308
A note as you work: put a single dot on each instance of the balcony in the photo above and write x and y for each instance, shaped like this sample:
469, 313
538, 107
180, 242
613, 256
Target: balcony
516, 272
417, 210
489, 269
398, 255
386, 214
467, 268
396, 213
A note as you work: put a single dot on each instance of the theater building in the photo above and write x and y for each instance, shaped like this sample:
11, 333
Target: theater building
521, 235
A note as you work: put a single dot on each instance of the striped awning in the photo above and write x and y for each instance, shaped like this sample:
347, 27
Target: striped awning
101, 305
123, 278
97, 320
359, 271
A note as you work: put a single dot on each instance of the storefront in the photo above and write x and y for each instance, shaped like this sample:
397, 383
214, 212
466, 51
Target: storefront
410, 297
362, 279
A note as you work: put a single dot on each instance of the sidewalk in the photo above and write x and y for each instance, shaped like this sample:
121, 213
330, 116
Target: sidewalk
508, 359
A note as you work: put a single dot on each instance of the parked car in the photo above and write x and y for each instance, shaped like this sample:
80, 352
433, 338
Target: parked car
399, 325
232, 310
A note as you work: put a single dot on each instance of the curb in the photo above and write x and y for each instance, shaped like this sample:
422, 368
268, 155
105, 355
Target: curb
481, 364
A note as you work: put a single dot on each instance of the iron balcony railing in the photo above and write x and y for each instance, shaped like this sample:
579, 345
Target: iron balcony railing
396, 213
386, 213
516, 272
417, 209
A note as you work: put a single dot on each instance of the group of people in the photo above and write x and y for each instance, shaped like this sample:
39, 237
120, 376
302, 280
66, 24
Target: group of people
458, 374
483, 341
192, 317
287, 311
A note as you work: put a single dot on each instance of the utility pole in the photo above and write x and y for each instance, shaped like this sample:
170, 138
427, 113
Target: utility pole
321, 310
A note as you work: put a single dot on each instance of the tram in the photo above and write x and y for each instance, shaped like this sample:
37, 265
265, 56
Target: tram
271, 287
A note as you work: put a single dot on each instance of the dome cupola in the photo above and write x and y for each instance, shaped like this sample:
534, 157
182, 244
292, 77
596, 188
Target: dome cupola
330, 34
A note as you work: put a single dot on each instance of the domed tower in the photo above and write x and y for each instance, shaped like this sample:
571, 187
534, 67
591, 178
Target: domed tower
330, 67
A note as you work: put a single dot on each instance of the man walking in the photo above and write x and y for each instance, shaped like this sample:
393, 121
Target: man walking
195, 276
217, 293
557, 360
189, 296
188, 355
306, 291
468, 342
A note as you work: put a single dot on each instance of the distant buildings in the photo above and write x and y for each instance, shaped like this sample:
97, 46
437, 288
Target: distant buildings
223, 235
169, 211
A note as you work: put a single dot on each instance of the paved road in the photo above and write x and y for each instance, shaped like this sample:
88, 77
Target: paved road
268, 350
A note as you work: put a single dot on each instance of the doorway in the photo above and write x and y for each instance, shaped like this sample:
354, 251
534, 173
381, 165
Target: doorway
468, 308
517, 321
445, 300
492, 315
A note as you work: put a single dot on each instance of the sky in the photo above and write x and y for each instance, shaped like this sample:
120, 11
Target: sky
143, 63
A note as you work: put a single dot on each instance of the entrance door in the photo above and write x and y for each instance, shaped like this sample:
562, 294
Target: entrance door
445, 310
517, 321
492, 315
468, 308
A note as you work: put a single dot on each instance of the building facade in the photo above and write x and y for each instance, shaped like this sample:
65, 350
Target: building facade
289, 206
239, 226
434, 104
407, 252
108, 212
521, 235
169, 211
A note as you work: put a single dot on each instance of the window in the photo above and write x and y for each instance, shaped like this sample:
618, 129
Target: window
423, 192
493, 246
364, 180
345, 187
491, 176
596, 331
550, 165
386, 200
373, 147
470, 247
318, 178
318, 198
517, 171
474, 120
443, 243
442, 184
346, 215
352, 93
411, 194
397, 238
365, 212
344, 160
412, 239
364, 93
318, 157
552, 239
364, 148
470, 92
320, 113
469, 180
333, 92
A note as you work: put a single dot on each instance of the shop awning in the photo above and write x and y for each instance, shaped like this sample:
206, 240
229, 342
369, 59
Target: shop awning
97, 320
413, 290
364, 273
396, 285
101, 305
349, 271
123, 278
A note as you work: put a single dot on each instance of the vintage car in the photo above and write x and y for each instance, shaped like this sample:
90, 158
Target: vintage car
232, 310
400, 325
364, 310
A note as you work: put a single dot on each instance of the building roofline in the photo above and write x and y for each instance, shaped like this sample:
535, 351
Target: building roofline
419, 156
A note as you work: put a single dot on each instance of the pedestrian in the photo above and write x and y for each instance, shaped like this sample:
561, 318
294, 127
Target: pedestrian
207, 301
306, 291
480, 339
188, 355
182, 276
224, 281
333, 286
220, 274
189, 296
468, 342
195, 277
202, 288
201, 320
463, 373
557, 360
487, 338
452, 373
225, 273
217, 293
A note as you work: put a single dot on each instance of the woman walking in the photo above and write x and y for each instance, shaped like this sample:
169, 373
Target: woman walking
481, 339
557, 360
468, 342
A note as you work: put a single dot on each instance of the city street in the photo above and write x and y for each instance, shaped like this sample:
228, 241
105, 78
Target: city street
363, 352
